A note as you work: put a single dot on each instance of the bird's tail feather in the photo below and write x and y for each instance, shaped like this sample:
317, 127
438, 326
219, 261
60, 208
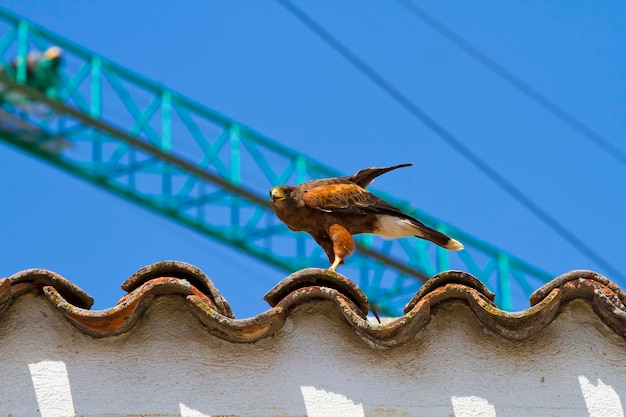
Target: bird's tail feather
438, 238
390, 226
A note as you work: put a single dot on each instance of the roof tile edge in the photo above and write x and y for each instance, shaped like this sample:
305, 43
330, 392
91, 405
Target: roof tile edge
310, 286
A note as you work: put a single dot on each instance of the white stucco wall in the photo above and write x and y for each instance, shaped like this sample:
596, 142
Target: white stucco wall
168, 365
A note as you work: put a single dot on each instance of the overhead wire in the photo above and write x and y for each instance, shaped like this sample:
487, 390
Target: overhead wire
540, 99
404, 101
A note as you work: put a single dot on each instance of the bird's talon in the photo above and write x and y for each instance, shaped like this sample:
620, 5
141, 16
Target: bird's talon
335, 264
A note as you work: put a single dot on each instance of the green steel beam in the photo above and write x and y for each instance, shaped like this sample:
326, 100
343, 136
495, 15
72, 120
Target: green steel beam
148, 144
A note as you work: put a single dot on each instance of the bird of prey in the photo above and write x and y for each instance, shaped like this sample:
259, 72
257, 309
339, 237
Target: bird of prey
333, 209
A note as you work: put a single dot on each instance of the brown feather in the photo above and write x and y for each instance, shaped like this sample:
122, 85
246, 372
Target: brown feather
343, 244
345, 197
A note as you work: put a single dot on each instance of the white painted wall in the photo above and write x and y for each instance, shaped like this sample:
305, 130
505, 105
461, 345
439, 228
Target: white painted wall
169, 366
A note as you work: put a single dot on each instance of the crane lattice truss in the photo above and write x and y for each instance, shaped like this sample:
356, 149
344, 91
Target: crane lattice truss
146, 143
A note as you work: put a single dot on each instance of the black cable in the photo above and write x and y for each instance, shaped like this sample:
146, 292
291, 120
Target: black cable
452, 140
516, 82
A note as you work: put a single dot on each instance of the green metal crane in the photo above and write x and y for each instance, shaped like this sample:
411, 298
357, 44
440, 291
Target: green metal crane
148, 144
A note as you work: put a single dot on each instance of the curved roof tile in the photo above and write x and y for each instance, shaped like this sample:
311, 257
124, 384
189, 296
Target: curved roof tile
171, 278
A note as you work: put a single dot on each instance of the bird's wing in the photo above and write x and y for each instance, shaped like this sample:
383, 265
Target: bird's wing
366, 176
351, 199
344, 198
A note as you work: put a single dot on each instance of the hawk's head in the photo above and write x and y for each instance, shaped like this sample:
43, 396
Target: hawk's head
279, 193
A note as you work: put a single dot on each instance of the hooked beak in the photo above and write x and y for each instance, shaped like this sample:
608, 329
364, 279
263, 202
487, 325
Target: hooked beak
276, 195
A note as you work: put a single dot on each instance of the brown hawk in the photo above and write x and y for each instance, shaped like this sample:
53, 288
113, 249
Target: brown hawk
333, 209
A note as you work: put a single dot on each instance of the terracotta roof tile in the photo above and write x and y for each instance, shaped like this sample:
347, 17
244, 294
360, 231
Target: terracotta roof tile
449, 277
35, 279
313, 283
172, 278
244, 331
180, 270
121, 317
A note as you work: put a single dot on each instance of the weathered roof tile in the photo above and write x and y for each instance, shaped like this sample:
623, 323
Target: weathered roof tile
243, 331
311, 285
317, 278
449, 277
181, 270
35, 279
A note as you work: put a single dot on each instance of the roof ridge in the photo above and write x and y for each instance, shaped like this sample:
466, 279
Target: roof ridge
172, 278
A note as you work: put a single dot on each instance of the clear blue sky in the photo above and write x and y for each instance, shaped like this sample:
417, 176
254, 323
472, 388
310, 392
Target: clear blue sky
252, 61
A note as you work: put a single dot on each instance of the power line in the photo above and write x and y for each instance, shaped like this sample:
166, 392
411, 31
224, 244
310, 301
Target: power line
532, 93
448, 137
